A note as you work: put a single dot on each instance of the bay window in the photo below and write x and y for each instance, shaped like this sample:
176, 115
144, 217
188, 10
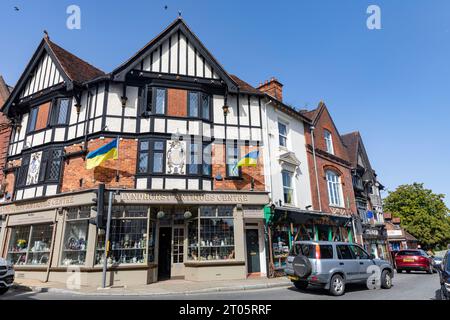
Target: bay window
151, 156
60, 112
211, 234
160, 101
199, 105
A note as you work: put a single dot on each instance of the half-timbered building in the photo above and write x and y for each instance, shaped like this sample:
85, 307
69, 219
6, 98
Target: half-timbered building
183, 206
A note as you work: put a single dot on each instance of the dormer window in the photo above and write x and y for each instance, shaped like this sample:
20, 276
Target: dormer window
329, 141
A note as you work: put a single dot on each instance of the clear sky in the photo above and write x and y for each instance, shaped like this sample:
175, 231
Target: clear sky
390, 84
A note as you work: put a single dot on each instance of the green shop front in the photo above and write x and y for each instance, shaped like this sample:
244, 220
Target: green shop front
198, 236
286, 225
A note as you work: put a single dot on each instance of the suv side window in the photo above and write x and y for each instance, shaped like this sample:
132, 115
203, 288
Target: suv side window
359, 252
344, 252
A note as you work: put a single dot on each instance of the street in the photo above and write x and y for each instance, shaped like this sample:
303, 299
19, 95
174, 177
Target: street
414, 286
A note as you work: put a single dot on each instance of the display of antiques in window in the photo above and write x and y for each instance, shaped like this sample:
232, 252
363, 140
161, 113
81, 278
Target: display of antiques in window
75, 236
30, 245
132, 237
280, 245
211, 234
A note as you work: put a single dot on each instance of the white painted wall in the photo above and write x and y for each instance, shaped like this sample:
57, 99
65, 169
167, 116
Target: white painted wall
272, 151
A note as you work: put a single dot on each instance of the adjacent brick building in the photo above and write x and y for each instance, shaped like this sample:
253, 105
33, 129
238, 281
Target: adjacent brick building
5, 132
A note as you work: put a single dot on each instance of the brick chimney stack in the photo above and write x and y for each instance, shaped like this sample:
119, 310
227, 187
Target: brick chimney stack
273, 88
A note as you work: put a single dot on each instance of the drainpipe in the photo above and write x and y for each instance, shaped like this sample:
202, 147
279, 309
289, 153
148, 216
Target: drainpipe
315, 168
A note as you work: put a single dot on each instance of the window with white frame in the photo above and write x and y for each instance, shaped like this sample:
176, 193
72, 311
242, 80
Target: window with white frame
329, 141
288, 190
282, 133
334, 189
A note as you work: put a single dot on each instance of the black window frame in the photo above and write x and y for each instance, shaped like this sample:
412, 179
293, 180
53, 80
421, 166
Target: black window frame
56, 109
33, 111
238, 156
201, 152
150, 160
154, 97
200, 112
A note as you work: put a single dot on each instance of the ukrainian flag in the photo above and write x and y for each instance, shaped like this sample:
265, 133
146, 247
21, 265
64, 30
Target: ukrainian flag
249, 160
108, 151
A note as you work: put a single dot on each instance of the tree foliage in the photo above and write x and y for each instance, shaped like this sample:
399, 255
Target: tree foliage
423, 214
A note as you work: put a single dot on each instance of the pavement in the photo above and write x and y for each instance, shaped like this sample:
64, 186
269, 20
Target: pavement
169, 287
413, 286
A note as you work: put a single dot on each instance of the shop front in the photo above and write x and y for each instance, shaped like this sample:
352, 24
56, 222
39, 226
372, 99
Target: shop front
288, 225
375, 241
154, 236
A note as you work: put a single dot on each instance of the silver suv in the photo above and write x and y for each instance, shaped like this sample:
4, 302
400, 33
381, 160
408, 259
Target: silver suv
6, 276
332, 265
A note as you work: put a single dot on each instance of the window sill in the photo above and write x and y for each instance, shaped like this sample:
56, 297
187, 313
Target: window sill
216, 263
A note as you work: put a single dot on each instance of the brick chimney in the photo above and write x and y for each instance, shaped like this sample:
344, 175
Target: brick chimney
273, 88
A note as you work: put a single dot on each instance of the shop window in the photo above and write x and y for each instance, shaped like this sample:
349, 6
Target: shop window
280, 246
131, 241
334, 188
30, 245
60, 112
75, 236
288, 190
232, 158
211, 235
328, 141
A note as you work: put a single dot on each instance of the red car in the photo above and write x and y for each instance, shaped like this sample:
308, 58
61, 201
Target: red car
417, 260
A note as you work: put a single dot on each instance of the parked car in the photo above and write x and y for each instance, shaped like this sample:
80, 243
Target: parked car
331, 265
444, 276
413, 260
6, 276
438, 257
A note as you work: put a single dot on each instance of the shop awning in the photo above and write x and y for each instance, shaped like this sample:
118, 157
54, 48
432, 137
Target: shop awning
295, 215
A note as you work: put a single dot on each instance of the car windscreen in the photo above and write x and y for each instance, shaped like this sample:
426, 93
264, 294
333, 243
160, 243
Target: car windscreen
305, 249
409, 253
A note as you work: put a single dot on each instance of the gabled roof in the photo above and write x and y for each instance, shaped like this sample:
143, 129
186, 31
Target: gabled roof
351, 141
74, 70
177, 25
4, 91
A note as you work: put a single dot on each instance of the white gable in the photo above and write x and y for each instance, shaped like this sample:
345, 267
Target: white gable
44, 75
177, 56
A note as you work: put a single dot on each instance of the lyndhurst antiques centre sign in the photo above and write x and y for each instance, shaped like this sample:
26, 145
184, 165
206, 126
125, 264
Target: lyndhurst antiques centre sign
124, 197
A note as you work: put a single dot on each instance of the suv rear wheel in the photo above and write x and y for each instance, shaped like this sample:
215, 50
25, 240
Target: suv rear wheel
337, 285
301, 285
386, 279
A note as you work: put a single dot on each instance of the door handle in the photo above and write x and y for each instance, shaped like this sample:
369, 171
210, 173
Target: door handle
361, 263
341, 263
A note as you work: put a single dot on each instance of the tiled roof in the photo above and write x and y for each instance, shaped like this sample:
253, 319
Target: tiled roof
76, 69
351, 141
244, 86
311, 115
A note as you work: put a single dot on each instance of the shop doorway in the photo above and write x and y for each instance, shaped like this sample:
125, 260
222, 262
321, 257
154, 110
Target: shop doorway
164, 253
252, 240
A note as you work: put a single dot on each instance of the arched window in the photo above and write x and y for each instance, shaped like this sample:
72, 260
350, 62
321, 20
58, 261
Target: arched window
334, 188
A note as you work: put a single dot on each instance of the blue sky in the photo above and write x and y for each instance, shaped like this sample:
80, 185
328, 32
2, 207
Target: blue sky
391, 84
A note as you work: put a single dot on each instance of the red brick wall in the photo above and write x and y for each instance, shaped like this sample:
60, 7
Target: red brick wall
177, 102
42, 117
247, 172
324, 162
75, 168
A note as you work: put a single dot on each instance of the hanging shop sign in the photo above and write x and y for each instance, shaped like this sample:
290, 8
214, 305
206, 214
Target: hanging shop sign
395, 233
372, 232
338, 210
